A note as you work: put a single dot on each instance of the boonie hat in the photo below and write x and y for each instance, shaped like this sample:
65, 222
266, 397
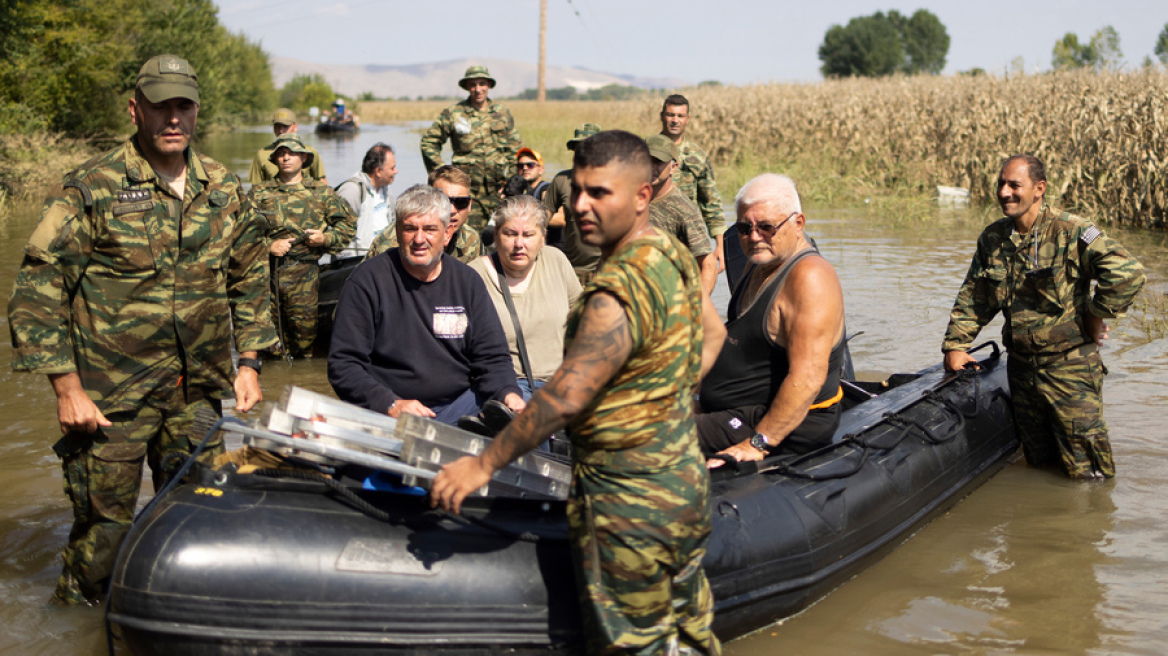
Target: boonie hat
284, 116
476, 73
662, 148
293, 143
583, 132
163, 77
530, 153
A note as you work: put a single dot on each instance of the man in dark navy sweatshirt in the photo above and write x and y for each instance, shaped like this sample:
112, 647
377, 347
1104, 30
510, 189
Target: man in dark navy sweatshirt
415, 330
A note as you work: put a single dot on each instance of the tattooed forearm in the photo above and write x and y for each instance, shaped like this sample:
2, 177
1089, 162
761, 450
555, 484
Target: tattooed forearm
600, 348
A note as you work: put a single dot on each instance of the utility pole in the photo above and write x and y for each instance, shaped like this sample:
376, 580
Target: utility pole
541, 85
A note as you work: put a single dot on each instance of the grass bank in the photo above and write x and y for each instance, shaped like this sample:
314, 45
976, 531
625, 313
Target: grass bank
30, 165
890, 142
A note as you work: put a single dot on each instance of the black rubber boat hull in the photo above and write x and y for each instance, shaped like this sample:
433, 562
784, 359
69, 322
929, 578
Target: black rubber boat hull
250, 565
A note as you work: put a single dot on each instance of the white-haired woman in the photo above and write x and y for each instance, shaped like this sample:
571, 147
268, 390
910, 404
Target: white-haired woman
540, 284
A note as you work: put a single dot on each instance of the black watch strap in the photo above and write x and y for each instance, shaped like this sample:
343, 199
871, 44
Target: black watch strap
759, 441
254, 363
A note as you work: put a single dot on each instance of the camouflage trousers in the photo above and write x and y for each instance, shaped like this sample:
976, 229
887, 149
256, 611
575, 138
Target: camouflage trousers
637, 544
1058, 411
297, 284
102, 477
486, 199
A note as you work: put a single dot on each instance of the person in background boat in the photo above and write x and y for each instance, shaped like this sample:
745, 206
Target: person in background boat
306, 219
262, 168
367, 194
134, 331
1037, 266
776, 385
639, 510
542, 286
483, 137
343, 115
463, 243
414, 329
672, 212
557, 199
694, 175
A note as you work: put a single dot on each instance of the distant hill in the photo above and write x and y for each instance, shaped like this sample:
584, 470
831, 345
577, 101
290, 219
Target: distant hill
441, 78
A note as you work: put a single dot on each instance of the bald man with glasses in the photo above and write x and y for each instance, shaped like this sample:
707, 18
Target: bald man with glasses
775, 387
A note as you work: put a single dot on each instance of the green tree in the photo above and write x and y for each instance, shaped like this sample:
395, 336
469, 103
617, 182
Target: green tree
925, 39
304, 91
1069, 53
1161, 49
1101, 52
869, 46
1105, 46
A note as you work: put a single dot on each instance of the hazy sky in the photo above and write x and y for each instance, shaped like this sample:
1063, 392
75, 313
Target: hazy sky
732, 41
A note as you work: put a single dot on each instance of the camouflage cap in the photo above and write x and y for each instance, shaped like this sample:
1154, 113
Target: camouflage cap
583, 132
293, 143
528, 152
284, 116
476, 73
662, 148
163, 77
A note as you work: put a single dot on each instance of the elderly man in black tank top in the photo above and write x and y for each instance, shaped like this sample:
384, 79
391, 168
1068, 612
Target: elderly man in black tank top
775, 386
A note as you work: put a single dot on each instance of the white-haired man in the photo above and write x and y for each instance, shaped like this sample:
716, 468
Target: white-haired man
775, 385
415, 330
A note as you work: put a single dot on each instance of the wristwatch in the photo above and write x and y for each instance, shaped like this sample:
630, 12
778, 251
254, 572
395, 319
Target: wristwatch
254, 363
759, 441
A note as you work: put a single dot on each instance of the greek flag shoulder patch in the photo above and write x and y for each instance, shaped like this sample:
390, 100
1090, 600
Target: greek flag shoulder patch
1089, 235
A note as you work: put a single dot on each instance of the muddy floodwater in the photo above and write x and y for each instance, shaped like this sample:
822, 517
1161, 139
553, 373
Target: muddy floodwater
1030, 563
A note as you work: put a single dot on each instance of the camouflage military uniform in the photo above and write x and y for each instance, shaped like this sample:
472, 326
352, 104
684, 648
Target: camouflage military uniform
290, 210
639, 509
678, 216
466, 247
263, 169
140, 294
1044, 289
484, 144
695, 177
584, 257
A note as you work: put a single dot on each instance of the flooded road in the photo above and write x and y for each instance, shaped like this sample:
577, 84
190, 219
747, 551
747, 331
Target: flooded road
1029, 563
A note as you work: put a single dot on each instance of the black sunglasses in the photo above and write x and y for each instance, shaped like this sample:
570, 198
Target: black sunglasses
764, 229
525, 165
460, 202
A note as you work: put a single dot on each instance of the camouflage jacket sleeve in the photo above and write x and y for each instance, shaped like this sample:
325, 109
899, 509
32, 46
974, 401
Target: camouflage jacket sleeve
38, 308
247, 282
1119, 276
434, 138
340, 219
696, 179
977, 301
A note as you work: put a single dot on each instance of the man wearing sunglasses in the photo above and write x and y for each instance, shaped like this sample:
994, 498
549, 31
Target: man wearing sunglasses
462, 241
530, 165
776, 384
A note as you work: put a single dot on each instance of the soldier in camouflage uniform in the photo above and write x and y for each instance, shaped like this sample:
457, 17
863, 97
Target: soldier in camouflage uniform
462, 242
306, 219
145, 265
639, 509
262, 167
483, 137
676, 214
694, 175
1037, 266
583, 256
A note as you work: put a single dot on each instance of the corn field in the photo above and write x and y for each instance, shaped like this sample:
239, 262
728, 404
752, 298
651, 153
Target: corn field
1103, 136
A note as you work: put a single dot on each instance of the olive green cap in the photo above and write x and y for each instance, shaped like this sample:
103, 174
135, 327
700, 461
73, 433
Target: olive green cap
293, 143
476, 73
284, 116
662, 148
167, 76
583, 132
